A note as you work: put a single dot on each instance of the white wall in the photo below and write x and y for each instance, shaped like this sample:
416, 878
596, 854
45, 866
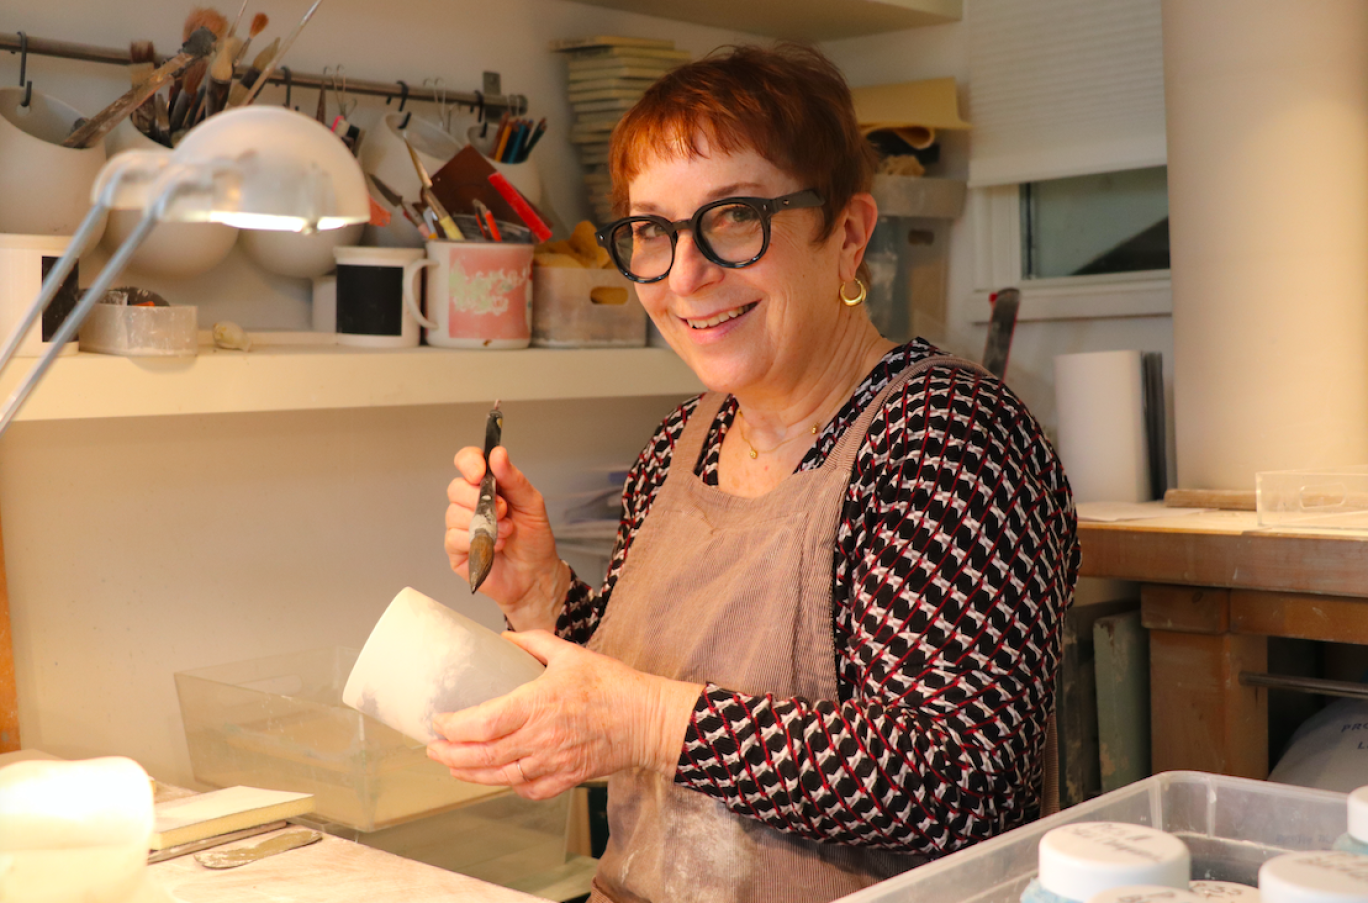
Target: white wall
137, 548
944, 50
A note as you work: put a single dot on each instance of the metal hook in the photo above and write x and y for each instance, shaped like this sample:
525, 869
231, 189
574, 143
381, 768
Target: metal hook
339, 88
480, 114
403, 95
24, 82
289, 83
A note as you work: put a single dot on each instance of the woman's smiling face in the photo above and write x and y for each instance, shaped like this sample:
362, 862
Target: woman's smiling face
755, 328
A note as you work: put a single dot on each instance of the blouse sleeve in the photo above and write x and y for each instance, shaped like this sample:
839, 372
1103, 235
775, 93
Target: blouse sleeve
956, 558
584, 607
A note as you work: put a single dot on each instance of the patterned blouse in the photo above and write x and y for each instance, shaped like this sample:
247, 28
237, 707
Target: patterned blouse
955, 559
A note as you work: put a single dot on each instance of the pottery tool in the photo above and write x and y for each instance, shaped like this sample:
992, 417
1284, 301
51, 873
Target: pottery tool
444, 219
395, 200
1000, 328
143, 63
200, 44
280, 843
280, 54
484, 526
263, 59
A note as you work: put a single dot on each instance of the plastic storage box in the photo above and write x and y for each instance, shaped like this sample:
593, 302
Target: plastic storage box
1335, 498
1230, 825
583, 308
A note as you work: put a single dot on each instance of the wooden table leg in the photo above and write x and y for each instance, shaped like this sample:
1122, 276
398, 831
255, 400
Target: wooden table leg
9, 690
1202, 718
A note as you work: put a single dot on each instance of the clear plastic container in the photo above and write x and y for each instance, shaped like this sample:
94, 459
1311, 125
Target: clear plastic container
1329, 877
1334, 498
1355, 840
1081, 860
1231, 826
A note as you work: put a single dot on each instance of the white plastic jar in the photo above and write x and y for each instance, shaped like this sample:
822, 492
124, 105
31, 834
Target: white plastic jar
1328, 877
1356, 839
1081, 860
1148, 893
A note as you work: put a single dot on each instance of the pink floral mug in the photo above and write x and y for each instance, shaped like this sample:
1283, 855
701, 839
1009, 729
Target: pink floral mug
479, 294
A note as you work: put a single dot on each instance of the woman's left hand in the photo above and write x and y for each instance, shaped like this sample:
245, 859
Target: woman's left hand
587, 716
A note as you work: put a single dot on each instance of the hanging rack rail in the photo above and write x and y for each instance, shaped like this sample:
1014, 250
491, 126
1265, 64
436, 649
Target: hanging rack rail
514, 103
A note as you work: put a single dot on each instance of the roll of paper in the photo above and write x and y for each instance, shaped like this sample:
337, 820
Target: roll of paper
1100, 404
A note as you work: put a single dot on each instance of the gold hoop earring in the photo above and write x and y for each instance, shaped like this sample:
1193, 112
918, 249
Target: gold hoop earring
858, 299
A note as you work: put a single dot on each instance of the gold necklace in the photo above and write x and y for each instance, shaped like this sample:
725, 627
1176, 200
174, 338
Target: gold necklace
757, 452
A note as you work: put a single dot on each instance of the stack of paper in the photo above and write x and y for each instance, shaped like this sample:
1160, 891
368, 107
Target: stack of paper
607, 75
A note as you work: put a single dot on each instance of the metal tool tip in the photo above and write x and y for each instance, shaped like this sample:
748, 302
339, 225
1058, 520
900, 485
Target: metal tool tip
481, 560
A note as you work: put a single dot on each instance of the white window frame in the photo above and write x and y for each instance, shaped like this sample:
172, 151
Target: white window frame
995, 213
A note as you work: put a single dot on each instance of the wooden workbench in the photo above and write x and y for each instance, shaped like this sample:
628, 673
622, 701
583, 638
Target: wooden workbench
1214, 587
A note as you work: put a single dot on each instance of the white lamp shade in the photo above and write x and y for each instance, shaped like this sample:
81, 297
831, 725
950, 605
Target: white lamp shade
285, 171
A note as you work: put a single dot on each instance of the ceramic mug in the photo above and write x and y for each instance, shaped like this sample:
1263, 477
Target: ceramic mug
377, 301
25, 261
479, 294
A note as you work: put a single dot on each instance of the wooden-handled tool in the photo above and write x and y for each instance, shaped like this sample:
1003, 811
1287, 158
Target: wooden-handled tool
200, 45
484, 526
449, 227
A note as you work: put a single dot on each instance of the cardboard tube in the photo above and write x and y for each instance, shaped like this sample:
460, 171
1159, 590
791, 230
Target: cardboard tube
1100, 402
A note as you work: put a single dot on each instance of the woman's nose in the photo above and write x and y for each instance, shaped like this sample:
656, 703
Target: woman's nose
691, 270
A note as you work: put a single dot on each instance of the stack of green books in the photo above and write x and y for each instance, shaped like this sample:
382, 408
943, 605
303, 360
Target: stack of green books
607, 74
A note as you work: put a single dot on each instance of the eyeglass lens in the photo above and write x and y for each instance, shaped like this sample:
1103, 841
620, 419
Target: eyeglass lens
731, 233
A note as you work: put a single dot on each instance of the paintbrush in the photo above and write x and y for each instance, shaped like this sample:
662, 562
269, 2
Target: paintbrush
221, 75
204, 17
188, 95
280, 54
237, 20
143, 63
97, 126
484, 525
180, 99
259, 23
444, 219
263, 59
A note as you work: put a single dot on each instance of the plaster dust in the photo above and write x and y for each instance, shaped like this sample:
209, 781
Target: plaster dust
423, 659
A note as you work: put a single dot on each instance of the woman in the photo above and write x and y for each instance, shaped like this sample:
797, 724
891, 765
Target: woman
825, 647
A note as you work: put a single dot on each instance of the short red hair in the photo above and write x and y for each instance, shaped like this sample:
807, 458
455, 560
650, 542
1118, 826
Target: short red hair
790, 104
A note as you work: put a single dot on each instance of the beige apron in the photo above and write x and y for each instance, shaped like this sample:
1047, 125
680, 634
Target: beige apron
736, 591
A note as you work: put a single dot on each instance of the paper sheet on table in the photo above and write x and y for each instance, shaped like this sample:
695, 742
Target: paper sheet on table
1112, 512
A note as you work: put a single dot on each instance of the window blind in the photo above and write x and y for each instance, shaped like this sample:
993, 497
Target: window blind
1063, 88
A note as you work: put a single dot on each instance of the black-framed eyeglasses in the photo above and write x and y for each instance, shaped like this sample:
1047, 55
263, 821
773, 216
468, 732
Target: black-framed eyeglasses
731, 232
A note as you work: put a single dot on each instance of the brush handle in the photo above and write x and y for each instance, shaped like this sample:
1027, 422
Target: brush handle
99, 125
280, 54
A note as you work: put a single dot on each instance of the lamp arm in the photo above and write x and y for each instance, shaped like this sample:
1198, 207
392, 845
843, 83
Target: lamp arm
73, 320
52, 284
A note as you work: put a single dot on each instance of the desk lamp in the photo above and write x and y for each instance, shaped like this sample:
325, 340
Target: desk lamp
250, 167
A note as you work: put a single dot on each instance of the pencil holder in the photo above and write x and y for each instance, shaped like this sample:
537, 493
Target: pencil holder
44, 187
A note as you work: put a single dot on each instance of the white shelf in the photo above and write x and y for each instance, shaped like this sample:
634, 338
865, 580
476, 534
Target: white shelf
281, 378
799, 20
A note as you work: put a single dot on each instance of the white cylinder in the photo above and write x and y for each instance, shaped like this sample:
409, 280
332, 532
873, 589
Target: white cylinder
1267, 117
1146, 893
1100, 404
1315, 878
1081, 860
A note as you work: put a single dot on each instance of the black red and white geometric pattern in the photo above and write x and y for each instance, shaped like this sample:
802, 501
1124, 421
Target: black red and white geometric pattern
955, 560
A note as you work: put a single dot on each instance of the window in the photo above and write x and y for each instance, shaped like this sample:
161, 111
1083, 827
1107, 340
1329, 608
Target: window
1094, 225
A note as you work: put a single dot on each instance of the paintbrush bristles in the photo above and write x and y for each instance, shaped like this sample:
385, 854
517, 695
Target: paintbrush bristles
205, 17
259, 23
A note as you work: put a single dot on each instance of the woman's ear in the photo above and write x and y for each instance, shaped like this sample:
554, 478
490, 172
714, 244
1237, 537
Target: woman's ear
856, 228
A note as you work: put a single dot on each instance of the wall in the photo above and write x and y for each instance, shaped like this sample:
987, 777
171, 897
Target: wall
137, 548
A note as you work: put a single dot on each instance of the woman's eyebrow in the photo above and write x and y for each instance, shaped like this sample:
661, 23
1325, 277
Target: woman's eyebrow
733, 189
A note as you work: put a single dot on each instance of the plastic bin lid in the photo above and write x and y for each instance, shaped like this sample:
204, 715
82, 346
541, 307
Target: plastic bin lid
1358, 815
1315, 878
1224, 890
1081, 860
1146, 893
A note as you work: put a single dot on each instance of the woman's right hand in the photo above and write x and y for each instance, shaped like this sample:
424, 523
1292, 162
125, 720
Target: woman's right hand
528, 579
